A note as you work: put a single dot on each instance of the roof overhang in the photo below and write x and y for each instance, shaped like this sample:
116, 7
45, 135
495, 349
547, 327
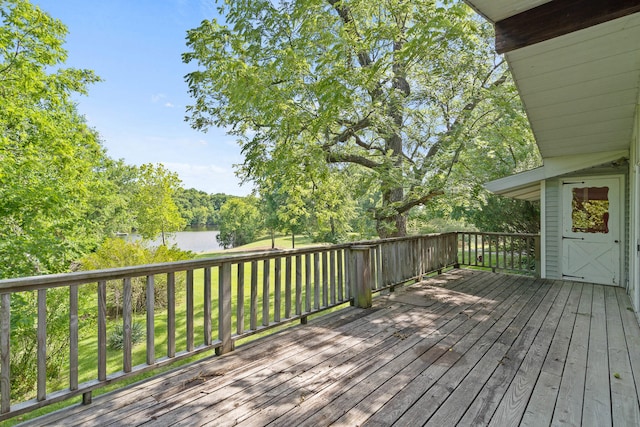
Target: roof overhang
526, 185
576, 64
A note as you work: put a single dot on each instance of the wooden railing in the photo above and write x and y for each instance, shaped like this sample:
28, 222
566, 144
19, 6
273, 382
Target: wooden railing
518, 253
220, 301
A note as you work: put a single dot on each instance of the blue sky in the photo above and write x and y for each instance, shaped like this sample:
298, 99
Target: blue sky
135, 46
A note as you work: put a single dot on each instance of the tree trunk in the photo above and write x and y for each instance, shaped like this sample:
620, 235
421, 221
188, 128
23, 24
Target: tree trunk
273, 240
293, 240
394, 226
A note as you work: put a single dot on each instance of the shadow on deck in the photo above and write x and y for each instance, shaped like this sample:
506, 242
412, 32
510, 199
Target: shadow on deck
465, 347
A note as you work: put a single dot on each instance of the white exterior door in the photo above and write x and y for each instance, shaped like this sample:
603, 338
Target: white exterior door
592, 223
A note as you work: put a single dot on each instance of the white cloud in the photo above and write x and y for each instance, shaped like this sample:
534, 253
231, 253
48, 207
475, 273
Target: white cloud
158, 97
168, 105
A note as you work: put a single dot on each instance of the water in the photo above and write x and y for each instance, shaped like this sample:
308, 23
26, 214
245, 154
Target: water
194, 241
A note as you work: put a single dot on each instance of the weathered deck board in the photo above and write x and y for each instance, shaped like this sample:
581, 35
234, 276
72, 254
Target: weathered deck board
465, 347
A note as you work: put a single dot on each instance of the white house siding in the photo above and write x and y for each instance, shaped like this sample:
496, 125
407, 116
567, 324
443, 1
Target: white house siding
634, 213
552, 229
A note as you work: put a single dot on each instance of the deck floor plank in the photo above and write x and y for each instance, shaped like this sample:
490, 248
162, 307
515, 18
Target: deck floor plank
597, 396
512, 382
542, 402
624, 397
568, 411
401, 367
421, 391
465, 347
215, 406
486, 358
446, 316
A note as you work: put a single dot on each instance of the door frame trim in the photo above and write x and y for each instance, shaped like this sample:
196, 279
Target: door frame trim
621, 218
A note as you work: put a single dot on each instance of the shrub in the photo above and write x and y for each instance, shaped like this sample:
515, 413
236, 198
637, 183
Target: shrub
115, 341
120, 253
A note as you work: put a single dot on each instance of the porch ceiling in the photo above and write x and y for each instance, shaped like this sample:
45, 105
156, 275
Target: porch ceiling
579, 89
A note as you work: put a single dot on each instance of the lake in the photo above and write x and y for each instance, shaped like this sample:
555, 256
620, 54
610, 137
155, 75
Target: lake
195, 241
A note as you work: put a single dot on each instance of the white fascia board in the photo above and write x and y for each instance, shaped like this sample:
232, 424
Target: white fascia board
526, 185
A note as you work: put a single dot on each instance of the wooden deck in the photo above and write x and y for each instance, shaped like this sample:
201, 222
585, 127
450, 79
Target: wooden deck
466, 348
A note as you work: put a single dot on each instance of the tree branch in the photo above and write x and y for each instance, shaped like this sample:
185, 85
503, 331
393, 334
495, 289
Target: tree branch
351, 158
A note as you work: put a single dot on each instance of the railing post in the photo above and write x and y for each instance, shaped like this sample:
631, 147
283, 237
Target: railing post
224, 309
536, 243
5, 354
362, 286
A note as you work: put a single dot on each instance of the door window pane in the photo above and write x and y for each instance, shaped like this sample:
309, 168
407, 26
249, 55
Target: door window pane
590, 210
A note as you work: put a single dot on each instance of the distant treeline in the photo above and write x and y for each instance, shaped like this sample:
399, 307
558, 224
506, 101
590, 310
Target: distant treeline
199, 208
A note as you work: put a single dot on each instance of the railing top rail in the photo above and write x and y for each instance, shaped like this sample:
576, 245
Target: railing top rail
485, 233
92, 276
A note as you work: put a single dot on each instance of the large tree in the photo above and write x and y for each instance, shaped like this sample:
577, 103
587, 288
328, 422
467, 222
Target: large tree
397, 88
153, 202
51, 162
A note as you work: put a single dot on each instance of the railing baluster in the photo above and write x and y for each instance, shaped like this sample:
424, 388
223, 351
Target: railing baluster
266, 269
307, 284
151, 333
277, 290
475, 249
127, 314
224, 309
325, 280
504, 252
42, 345
298, 285
483, 255
190, 344
240, 303
511, 243
253, 314
341, 275
316, 281
73, 337
287, 288
207, 306
5, 353
332, 276
102, 330
171, 314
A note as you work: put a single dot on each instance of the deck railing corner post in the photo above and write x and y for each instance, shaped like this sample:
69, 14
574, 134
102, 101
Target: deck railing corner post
362, 295
224, 310
538, 260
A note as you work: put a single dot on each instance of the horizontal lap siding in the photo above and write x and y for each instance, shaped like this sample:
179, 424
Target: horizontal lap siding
553, 229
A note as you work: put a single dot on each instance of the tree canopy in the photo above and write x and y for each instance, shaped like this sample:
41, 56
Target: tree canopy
51, 162
400, 90
155, 209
